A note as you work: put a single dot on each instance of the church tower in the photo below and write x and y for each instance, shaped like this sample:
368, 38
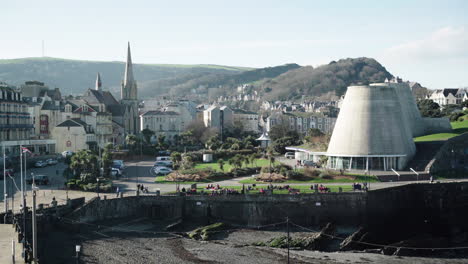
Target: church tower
129, 97
98, 83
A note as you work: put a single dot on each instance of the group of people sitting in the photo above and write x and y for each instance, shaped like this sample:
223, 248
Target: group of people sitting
360, 187
320, 188
142, 188
213, 187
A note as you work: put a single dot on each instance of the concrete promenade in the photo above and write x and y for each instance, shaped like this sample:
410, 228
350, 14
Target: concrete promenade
7, 235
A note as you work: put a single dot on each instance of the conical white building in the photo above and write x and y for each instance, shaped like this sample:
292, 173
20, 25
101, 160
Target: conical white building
376, 126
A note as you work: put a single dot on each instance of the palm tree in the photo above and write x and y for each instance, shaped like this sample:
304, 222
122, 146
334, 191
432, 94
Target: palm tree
252, 159
176, 158
221, 164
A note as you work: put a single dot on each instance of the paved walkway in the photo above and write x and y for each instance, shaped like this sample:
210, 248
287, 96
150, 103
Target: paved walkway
7, 235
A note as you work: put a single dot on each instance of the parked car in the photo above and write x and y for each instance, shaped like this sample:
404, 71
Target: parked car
161, 170
116, 172
309, 163
67, 153
52, 162
119, 164
165, 163
164, 153
39, 180
163, 158
40, 164
289, 155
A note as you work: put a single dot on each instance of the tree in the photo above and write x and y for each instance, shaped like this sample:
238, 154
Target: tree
132, 143
221, 164
199, 133
213, 143
429, 108
236, 161
161, 141
464, 104
147, 134
187, 162
176, 158
84, 162
235, 146
279, 131
106, 159
252, 158
280, 144
315, 132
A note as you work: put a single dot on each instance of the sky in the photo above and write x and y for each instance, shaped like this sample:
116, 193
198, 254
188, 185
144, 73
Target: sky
423, 41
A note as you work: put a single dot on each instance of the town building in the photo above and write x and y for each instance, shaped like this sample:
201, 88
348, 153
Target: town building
249, 120
73, 135
446, 96
300, 122
16, 124
163, 123
219, 118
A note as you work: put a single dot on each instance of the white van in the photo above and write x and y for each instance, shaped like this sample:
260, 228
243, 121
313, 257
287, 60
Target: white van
163, 158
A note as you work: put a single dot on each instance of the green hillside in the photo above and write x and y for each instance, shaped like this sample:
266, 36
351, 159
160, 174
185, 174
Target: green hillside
283, 82
75, 76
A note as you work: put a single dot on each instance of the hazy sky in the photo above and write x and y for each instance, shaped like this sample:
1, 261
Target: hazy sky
424, 41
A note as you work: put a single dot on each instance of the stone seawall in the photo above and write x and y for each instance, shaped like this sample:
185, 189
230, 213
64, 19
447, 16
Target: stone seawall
404, 209
343, 208
254, 210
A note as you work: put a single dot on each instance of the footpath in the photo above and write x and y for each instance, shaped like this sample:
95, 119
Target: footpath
7, 235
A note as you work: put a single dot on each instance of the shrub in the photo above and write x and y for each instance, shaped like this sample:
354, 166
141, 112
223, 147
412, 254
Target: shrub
197, 156
294, 175
325, 175
283, 171
311, 173
244, 171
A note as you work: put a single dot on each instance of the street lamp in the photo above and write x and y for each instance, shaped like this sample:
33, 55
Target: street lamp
77, 250
97, 186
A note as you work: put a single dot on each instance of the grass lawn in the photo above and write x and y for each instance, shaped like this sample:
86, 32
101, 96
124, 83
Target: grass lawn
214, 165
358, 178
162, 180
458, 129
302, 189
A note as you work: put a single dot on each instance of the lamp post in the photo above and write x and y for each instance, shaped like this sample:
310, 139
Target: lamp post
34, 221
77, 251
97, 186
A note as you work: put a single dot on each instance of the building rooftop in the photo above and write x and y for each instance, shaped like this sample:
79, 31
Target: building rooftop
157, 112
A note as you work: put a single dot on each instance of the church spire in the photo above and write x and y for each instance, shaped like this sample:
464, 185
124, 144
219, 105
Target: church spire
98, 82
129, 87
128, 78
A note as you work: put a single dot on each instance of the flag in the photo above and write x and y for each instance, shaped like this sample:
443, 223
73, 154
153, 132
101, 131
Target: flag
26, 150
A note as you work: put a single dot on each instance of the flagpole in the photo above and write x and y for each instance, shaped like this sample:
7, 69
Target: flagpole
25, 174
21, 174
5, 195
